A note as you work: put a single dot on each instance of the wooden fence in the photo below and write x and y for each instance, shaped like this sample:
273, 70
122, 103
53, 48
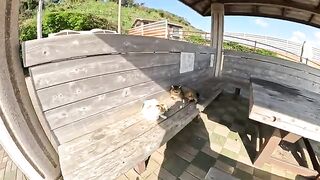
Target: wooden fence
157, 29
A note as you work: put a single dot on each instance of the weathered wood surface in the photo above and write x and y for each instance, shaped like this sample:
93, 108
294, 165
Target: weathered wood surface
284, 107
125, 157
237, 66
21, 134
91, 123
78, 90
51, 74
89, 148
71, 46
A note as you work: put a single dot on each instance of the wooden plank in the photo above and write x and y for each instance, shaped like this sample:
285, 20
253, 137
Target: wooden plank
272, 73
40, 115
63, 94
124, 158
293, 110
254, 65
66, 71
87, 125
275, 60
293, 70
59, 48
107, 139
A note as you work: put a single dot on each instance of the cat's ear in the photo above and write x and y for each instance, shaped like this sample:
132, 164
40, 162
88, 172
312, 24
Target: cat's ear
180, 87
172, 86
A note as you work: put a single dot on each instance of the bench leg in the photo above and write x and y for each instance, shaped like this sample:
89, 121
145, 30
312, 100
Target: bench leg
237, 93
269, 147
141, 166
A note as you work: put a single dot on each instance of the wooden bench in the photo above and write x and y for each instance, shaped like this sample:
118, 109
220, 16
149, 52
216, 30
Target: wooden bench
88, 92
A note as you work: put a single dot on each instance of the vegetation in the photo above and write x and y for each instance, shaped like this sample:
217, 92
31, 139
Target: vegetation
84, 14
90, 14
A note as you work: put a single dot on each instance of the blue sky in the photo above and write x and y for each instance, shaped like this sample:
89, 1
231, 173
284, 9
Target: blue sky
254, 25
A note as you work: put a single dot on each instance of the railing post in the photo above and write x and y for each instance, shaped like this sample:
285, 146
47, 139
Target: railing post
39, 20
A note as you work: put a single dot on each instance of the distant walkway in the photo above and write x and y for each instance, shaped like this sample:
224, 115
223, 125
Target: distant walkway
8, 170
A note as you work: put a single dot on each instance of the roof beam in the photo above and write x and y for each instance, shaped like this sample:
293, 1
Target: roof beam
283, 12
195, 2
281, 3
312, 15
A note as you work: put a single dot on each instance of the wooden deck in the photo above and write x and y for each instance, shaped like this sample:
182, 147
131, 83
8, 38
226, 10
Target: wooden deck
8, 170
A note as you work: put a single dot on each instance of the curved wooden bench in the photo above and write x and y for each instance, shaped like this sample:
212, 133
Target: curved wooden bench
88, 91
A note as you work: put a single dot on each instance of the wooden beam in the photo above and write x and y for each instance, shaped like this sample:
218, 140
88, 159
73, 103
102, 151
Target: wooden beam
283, 12
283, 3
194, 3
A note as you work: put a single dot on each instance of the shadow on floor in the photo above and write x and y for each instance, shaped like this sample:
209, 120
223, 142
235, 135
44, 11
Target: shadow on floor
222, 137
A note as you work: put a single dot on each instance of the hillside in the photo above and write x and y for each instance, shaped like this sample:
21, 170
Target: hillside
91, 14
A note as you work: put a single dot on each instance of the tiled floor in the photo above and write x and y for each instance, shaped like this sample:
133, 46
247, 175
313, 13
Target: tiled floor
8, 170
223, 137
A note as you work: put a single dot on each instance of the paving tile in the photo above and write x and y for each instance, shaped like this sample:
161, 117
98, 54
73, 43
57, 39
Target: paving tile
196, 172
152, 177
197, 142
242, 175
187, 176
229, 154
227, 160
132, 175
221, 130
290, 175
217, 139
122, 177
216, 148
278, 171
233, 145
203, 161
262, 174
246, 168
175, 165
189, 149
224, 167
185, 155
151, 167
156, 156
207, 149
166, 175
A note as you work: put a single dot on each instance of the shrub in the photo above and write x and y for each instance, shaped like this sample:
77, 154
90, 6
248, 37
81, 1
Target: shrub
54, 22
197, 39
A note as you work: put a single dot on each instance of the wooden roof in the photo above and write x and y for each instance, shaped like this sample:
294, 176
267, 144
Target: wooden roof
301, 11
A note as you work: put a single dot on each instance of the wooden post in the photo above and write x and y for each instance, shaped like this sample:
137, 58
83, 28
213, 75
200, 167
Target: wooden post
39, 20
217, 24
119, 17
21, 134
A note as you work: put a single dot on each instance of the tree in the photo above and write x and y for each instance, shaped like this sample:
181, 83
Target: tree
126, 3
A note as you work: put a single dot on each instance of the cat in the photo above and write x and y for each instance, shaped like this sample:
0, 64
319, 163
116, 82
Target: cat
176, 93
190, 94
152, 110
182, 93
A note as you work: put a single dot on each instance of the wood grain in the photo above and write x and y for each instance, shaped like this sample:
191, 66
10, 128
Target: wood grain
67, 71
293, 110
65, 47
77, 90
125, 157
91, 123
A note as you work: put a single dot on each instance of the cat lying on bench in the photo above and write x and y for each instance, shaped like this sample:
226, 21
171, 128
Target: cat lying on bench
182, 93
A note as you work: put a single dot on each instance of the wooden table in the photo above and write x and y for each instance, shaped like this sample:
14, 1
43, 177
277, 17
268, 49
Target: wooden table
294, 113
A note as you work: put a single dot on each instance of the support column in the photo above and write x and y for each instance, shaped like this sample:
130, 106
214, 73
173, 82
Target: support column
21, 134
217, 26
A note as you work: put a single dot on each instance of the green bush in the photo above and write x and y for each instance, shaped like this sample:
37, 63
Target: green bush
54, 22
238, 47
197, 39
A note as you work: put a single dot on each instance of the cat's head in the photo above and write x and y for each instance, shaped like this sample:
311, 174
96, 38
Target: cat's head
176, 89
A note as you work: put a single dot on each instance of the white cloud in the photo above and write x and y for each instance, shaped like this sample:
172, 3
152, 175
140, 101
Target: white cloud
261, 22
298, 36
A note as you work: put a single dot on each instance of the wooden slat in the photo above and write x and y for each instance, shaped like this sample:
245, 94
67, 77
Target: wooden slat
270, 59
77, 90
61, 72
240, 68
59, 48
87, 125
40, 115
125, 157
286, 108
